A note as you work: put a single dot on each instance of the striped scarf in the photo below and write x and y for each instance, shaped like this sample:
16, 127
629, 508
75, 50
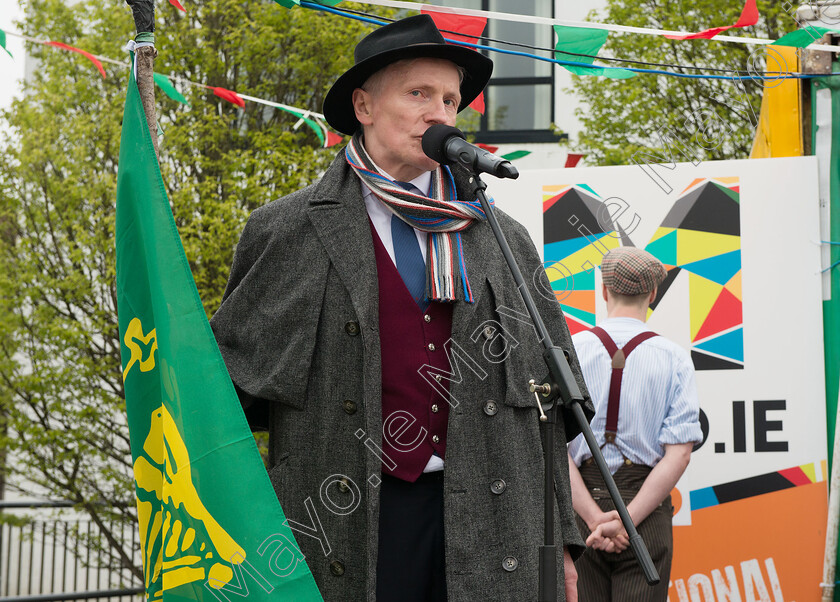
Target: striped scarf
442, 215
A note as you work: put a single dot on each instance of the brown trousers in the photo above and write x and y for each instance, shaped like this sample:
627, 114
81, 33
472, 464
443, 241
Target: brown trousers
609, 577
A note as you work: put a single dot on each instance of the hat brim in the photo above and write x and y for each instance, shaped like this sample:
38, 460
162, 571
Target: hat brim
338, 104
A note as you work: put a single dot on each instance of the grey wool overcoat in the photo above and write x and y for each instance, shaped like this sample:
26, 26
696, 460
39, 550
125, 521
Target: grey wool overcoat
299, 331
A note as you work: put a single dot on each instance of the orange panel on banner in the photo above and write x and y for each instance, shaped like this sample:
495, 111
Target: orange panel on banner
766, 547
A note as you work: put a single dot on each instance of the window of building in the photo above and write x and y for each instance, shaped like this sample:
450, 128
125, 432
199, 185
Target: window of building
519, 99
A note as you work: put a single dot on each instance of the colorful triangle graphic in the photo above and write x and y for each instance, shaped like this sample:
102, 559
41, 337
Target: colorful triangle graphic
729, 345
704, 293
725, 313
696, 245
548, 203
720, 268
734, 285
664, 248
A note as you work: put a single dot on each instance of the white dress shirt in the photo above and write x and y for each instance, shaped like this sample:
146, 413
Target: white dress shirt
659, 403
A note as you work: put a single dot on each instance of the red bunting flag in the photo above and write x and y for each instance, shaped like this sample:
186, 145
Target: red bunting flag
488, 147
573, 159
332, 139
470, 27
230, 96
177, 5
749, 16
85, 54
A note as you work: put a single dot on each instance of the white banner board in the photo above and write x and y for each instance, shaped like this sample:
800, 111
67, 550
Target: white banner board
741, 242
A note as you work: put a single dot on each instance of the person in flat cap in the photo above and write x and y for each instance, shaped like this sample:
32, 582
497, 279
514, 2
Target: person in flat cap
646, 423
367, 325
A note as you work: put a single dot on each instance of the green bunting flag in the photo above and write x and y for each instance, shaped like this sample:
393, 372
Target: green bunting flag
165, 84
803, 37
3, 42
211, 527
583, 40
516, 155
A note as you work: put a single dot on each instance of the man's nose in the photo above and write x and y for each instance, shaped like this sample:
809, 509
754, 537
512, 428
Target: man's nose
437, 112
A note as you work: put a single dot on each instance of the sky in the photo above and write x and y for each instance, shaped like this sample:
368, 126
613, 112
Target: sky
11, 69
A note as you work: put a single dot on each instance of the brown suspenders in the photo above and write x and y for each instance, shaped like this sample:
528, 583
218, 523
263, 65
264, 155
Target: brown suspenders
619, 357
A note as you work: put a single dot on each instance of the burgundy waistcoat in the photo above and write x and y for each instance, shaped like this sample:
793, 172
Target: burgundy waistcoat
414, 413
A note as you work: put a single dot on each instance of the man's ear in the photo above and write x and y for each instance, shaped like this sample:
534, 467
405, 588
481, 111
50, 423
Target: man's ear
362, 106
604, 291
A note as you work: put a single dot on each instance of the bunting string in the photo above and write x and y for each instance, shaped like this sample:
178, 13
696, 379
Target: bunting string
563, 22
573, 41
751, 75
311, 118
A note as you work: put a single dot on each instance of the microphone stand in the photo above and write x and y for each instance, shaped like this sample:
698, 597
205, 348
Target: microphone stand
560, 384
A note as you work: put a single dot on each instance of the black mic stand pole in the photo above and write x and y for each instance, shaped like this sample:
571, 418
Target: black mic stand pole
560, 383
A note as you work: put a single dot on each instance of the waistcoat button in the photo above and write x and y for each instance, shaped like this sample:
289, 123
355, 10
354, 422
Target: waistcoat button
352, 328
349, 406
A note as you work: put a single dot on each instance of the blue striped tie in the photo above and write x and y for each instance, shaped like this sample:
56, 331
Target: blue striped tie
407, 255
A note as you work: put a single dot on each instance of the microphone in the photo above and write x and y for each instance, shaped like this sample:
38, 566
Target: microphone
446, 145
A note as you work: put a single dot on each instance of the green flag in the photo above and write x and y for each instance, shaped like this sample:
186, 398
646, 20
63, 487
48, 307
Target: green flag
574, 41
3, 42
165, 84
211, 527
804, 37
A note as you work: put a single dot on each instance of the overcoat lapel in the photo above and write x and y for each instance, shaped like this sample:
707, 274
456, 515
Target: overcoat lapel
338, 214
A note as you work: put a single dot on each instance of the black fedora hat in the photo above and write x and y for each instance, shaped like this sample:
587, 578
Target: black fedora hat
409, 38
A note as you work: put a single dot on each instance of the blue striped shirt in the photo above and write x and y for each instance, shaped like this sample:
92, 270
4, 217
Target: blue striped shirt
659, 404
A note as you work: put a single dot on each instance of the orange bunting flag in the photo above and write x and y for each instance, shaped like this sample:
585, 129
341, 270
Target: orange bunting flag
177, 5
470, 27
88, 55
332, 139
230, 96
749, 16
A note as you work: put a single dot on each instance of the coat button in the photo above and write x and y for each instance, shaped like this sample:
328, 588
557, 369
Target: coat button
510, 563
344, 485
490, 408
352, 328
337, 568
498, 486
435, 439
435, 408
428, 318
349, 406
489, 332
431, 346
438, 377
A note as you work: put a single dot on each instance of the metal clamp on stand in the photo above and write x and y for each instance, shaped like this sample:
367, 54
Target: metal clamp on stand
537, 390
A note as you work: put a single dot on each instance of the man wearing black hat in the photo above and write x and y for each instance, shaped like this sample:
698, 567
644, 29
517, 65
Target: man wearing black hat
646, 422
371, 325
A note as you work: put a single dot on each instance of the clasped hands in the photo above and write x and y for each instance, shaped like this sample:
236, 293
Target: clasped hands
608, 534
